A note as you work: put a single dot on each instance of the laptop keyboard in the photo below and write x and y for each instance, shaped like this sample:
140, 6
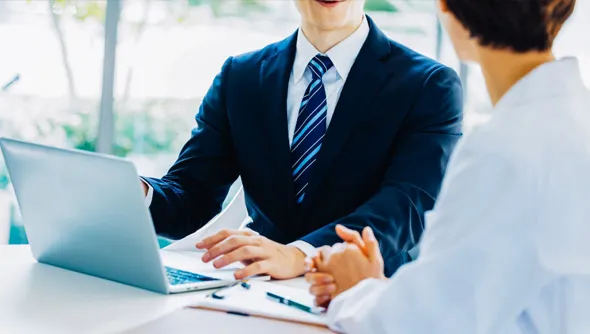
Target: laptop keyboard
177, 276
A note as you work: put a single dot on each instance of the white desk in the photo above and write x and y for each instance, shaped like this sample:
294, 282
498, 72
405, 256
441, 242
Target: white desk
36, 298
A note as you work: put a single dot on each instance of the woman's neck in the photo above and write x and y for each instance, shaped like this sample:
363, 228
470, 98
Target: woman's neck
502, 69
325, 39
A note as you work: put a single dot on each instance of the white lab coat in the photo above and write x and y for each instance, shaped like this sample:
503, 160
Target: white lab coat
507, 247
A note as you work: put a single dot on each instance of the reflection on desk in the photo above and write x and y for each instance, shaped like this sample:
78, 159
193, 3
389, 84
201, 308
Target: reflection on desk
37, 298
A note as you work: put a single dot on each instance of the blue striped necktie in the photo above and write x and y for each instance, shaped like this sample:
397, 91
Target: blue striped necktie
311, 126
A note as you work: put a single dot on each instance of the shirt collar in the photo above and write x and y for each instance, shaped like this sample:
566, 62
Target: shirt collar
556, 78
342, 54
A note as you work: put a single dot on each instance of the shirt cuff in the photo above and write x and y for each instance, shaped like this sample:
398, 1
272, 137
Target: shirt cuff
349, 311
150, 193
306, 248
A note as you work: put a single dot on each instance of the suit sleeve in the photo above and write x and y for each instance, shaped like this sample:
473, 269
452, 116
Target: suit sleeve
193, 190
414, 174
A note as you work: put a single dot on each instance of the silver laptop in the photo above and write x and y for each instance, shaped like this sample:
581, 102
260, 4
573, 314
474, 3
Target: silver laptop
86, 212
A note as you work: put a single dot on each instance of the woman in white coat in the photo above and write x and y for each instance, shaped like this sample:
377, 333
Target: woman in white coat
507, 247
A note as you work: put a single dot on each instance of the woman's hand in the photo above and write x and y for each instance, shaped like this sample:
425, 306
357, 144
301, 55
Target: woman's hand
342, 266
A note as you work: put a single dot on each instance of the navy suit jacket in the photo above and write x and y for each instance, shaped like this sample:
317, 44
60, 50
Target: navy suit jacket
381, 163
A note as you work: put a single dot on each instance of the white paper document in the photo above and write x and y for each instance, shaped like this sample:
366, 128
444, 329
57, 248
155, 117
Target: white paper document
234, 216
254, 302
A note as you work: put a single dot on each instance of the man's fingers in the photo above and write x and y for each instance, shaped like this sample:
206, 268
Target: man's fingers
318, 259
214, 239
349, 235
218, 237
372, 249
318, 262
319, 278
229, 244
321, 251
309, 264
322, 289
256, 268
246, 253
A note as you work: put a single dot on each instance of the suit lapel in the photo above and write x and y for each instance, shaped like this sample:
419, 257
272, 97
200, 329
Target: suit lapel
274, 80
367, 76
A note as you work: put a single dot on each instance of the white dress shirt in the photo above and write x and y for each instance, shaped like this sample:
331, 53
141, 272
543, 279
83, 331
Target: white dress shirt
343, 56
507, 247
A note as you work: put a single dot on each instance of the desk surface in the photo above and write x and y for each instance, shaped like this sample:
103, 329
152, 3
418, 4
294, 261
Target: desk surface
37, 298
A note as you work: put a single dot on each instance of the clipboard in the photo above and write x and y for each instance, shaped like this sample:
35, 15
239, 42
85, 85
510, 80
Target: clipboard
254, 302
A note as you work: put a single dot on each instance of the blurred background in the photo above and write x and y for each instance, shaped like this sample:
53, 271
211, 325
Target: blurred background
126, 77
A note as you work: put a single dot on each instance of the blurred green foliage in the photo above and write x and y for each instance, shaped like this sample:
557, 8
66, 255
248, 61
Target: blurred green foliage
146, 128
17, 235
80, 9
380, 6
4, 181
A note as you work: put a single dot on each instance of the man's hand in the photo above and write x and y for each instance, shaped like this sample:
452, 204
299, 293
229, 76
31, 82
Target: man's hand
342, 266
260, 255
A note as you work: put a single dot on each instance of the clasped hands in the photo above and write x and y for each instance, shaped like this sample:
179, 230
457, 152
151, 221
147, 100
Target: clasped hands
340, 267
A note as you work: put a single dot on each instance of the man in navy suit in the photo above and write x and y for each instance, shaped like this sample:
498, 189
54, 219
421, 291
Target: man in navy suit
337, 124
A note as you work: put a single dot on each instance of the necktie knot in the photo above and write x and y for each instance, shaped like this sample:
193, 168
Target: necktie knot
319, 65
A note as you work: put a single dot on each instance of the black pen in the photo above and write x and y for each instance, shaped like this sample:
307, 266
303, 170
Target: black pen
292, 303
216, 295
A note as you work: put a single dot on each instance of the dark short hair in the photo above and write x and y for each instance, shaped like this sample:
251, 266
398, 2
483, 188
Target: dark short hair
520, 25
